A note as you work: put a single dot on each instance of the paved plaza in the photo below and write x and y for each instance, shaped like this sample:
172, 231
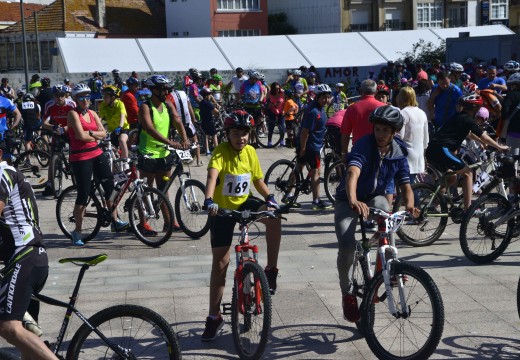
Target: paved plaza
480, 301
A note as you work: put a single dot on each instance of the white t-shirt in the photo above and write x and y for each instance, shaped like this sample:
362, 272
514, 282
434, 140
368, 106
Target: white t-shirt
237, 82
415, 134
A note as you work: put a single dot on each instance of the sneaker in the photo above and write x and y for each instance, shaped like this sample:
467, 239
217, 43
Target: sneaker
47, 191
30, 324
262, 135
146, 229
119, 225
199, 164
320, 205
212, 328
271, 275
282, 144
176, 228
290, 200
350, 308
269, 144
77, 239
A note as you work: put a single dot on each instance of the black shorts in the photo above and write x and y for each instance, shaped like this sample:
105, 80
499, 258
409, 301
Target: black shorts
24, 276
443, 159
221, 229
334, 136
208, 127
153, 166
255, 112
114, 139
189, 132
311, 157
290, 124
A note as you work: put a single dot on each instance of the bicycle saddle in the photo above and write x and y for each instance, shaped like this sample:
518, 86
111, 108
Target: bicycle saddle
89, 260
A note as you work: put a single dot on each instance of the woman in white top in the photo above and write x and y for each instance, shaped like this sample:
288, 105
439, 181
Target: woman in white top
414, 132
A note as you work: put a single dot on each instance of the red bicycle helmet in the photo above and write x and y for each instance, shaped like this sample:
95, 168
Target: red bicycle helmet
237, 119
383, 89
473, 99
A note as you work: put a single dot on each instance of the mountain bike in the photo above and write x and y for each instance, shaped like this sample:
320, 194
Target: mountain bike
437, 206
59, 166
144, 205
34, 166
402, 313
118, 332
251, 305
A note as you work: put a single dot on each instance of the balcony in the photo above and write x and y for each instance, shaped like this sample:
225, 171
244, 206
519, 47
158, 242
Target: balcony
393, 25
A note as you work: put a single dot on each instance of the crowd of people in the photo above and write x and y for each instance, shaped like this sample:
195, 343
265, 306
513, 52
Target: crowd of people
405, 117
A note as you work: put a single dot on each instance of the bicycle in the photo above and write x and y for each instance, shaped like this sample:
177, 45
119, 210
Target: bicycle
144, 205
118, 332
251, 303
59, 166
34, 166
402, 313
436, 207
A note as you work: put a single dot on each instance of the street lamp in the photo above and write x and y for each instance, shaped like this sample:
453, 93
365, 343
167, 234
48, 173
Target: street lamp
24, 44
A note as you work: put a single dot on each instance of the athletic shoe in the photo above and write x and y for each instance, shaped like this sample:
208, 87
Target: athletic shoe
30, 324
47, 192
271, 275
77, 239
282, 144
199, 164
290, 200
269, 144
176, 228
119, 225
350, 308
262, 135
146, 229
320, 205
212, 328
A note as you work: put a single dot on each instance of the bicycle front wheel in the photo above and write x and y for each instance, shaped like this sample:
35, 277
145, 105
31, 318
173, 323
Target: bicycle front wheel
276, 137
251, 312
56, 174
480, 239
65, 214
414, 330
34, 166
333, 176
136, 330
360, 278
433, 219
281, 179
188, 209
151, 217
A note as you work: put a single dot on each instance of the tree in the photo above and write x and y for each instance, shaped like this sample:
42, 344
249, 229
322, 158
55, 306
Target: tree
278, 25
425, 52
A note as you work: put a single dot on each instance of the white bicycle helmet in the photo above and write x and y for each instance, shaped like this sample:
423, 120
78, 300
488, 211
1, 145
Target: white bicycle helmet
322, 89
340, 85
512, 65
456, 67
514, 79
80, 89
157, 80
297, 72
253, 74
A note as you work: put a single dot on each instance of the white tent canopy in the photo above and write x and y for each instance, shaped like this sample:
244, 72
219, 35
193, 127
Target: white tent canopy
473, 31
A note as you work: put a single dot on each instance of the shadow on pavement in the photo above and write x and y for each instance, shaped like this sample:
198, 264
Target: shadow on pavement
481, 347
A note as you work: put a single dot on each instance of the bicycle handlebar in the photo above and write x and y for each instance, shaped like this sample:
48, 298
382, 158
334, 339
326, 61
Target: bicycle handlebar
247, 215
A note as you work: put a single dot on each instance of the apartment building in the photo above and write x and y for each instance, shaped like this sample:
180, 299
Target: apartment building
203, 18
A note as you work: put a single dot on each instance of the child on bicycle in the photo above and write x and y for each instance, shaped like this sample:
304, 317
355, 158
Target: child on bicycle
233, 167
113, 112
373, 162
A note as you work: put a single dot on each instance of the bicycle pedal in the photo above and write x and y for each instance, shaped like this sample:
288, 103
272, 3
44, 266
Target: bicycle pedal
226, 308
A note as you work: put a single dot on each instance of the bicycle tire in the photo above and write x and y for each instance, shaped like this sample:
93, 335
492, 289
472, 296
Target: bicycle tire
146, 334
133, 138
56, 174
188, 210
410, 233
414, 335
41, 144
251, 344
478, 235
64, 214
275, 138
161, 225
518, 298
34, 166
333, 176
360, 278
277, 179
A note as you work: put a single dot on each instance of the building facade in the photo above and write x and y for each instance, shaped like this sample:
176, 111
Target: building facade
377, 15
216, 18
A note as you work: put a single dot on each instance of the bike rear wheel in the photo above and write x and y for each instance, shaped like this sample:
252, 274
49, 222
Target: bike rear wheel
188, 209
433, 219
136, 329
251, 316
360, 278
65, 214
281, 179
56, 174
34, 166
275, 138
480, 239
155, 210
415, 330
333, 176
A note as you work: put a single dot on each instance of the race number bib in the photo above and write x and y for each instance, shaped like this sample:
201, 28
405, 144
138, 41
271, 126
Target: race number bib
184, 155
236, 185
27, 105
482, 179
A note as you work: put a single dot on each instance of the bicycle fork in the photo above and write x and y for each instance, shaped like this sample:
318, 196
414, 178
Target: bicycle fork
245, 286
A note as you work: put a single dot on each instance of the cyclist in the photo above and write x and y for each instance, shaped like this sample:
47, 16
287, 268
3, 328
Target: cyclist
113, 112
23, 251
96, 85
374, 161
235, 163
236, 81
207, 112
310, 140
510, 68
87, 159
311, 83
298, 85
7, 107
157, 118
129, 98
290, 109
443, 147
383, 94
215, 85
511, 114
253, 94
338, 97
6, 90
118, 82
274, 112
45, 95
491, 81
456, 71
193, 92
443, 100
30, 111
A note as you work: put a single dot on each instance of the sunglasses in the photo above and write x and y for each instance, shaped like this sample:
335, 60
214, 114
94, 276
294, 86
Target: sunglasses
83, 98
162, 89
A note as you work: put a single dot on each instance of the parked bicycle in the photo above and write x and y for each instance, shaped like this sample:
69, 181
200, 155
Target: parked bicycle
251, 305
402, 313
34, 166
144, 205
59, 166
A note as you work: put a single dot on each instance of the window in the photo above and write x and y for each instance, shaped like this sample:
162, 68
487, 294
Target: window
498, 9
429, 15
359, 20
175, 34
392, 20
186, 33
238, 4
233, 33
458, 15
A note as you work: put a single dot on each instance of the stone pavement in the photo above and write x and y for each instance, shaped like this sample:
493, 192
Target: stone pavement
480, 301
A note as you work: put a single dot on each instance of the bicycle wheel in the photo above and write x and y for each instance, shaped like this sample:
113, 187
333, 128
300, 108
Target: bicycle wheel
56, 174
154, 209
333, 176
360, 278
518, 297
133, 138
415, 329
65, 214
431, 223
188, 209
141, 332
34, 166
41, 144
275, 139
251, 313
480, 239
278, 179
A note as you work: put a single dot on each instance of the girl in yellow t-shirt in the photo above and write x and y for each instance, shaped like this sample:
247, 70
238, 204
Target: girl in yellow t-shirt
113, 111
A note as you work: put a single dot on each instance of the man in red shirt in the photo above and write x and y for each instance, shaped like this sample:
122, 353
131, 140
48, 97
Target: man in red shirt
128, 98
421, 74
355, 122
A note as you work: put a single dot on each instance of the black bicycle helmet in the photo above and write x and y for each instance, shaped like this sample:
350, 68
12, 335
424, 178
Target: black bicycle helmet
388, 115
46, 82
28, 97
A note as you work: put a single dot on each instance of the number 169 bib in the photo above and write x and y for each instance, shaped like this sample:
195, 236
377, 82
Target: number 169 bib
236, 185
